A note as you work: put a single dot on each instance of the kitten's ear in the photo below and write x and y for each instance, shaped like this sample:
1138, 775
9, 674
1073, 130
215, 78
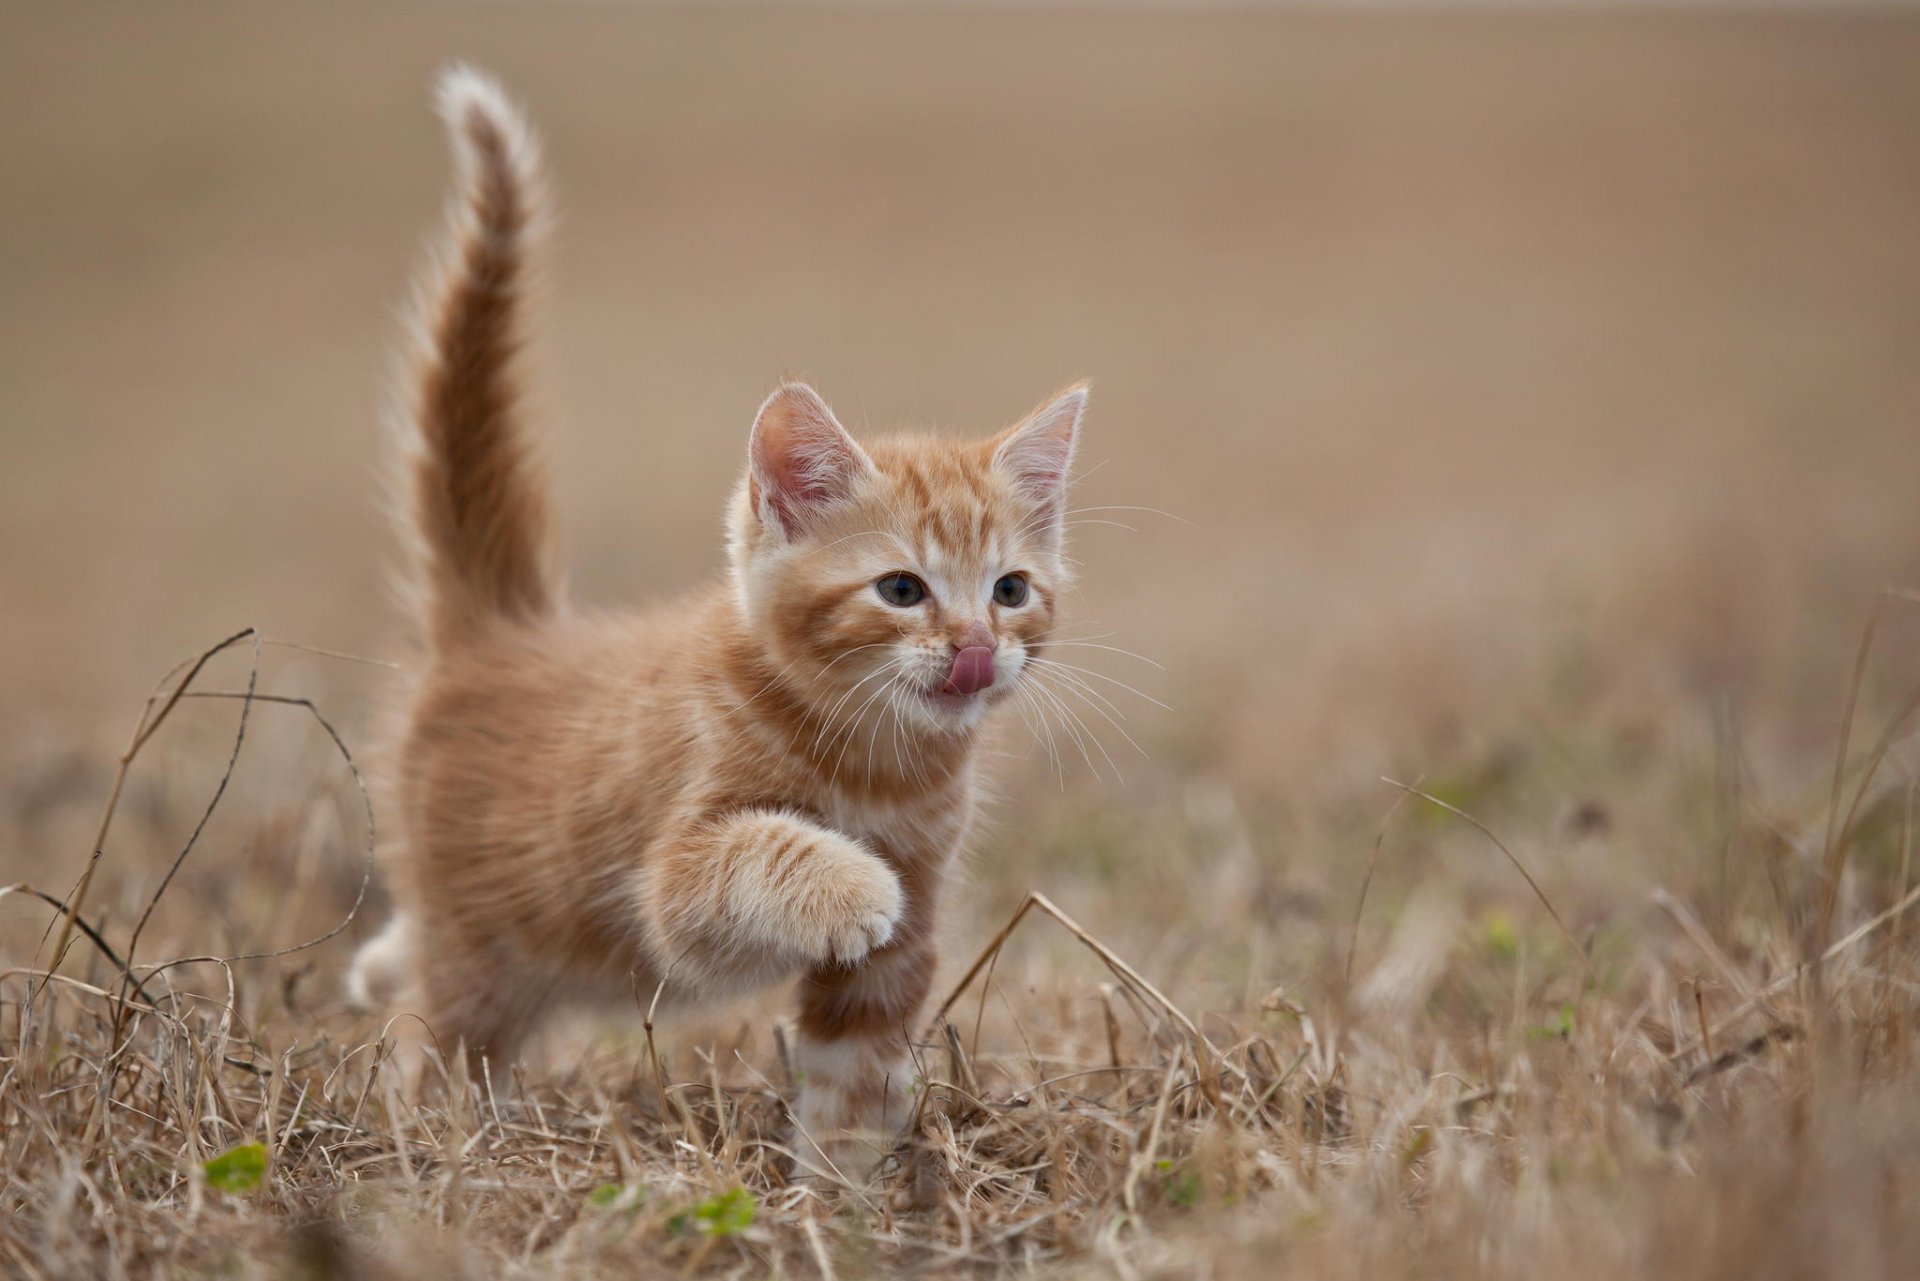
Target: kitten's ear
800, 459
1037, 455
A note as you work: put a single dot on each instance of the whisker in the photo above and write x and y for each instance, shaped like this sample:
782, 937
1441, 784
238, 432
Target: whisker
1117, 726
859, 716
831, 731
1111, 649
873, 740
868, 533
1080, 731
1051, 702
850, 653
1022, 702
1081, 476
823, 739
1123, 507
790, 666
1088, 671
833, 713
1079, 683
771, 682
1023, 692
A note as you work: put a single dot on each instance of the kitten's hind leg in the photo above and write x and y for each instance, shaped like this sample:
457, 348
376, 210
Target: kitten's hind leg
488, 1003
758, 894
384, 965
440, 990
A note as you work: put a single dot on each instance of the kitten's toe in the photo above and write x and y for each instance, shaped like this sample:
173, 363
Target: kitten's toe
857, 903
853, 939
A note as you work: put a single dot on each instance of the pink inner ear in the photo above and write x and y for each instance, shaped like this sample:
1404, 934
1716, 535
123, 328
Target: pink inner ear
1046, 481
796, 481
1039, 453
801, 458
1039, 466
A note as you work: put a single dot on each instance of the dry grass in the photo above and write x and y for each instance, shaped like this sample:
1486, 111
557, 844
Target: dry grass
1650, 1078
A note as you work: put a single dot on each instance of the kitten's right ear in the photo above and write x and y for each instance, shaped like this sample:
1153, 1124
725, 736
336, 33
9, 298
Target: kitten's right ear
800, 460
1037, 454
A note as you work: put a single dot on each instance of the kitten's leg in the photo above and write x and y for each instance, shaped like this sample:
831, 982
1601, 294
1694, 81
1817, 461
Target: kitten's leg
440, 993
759, 894
473, 993
384, 965
490, 1016
857, 1080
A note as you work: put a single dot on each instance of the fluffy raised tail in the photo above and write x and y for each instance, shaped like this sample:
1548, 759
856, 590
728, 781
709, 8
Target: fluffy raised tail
477, 497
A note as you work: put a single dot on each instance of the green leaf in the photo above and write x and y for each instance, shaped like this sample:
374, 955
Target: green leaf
606, 1196
1560, 1025
1499, 935
722, 1215
237, 1170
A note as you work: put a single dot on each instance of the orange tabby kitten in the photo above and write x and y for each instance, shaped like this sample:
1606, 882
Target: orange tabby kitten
768, 779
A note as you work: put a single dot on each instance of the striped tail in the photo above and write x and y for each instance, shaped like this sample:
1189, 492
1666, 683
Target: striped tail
477, 497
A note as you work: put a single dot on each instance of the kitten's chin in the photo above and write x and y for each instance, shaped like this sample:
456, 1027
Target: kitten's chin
951, 713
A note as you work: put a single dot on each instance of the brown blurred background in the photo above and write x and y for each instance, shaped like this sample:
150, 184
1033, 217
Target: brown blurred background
1484, 352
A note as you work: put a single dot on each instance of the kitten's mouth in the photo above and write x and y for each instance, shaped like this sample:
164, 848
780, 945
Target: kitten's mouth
972, 671
971, 681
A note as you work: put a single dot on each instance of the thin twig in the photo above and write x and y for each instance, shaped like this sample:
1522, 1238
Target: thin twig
91, 933
1366, 880
213, 802
1512, 858
143, 729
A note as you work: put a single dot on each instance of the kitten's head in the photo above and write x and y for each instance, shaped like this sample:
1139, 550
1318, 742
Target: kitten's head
914, 575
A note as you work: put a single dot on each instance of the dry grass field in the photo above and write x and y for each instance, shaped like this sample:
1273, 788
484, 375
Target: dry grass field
1528, 410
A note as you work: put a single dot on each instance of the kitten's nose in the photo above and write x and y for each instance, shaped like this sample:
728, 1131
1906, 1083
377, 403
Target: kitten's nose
975, 634
972, 669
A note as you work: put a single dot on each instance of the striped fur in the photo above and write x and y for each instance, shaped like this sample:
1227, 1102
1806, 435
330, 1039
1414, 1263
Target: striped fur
478, 502
762, 781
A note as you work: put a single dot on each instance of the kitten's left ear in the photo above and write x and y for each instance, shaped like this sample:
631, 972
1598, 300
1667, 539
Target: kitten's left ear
1037, 455
801, 460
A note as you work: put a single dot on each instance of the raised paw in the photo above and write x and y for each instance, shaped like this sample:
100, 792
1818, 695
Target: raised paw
815, 895
845, 904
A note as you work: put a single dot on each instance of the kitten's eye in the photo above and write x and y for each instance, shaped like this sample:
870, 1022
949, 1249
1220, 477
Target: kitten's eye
901, 590
1011, 591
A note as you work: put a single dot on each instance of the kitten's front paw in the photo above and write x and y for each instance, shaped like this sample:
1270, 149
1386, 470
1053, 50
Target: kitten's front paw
843, 903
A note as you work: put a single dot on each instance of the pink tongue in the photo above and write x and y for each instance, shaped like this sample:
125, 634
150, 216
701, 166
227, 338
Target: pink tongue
972, 671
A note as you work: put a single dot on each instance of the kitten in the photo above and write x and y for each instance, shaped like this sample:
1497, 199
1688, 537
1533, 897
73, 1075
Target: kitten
768, 779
